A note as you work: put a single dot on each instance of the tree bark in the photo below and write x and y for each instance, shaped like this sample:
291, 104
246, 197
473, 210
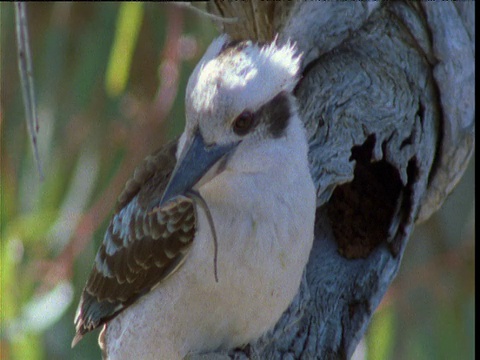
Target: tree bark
387, 97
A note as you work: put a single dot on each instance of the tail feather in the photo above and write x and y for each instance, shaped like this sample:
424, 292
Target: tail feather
92, 313
76, 339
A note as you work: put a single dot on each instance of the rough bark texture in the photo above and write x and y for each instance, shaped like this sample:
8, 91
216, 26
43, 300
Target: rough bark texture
387, 97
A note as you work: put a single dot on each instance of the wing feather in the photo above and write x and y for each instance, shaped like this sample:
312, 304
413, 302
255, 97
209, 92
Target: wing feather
144, 243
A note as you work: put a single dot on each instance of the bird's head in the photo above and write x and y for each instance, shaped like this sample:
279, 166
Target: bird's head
238, 96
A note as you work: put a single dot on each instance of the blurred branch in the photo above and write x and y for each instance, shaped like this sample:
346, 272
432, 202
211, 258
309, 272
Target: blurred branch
26, 79
169, 66
221, 19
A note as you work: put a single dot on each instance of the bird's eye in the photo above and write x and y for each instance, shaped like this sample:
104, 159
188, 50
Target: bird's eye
243, 123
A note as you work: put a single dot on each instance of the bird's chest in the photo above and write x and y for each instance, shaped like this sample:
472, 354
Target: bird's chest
254, 280
250, 241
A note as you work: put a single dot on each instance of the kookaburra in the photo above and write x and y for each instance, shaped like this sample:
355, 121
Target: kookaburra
163, 285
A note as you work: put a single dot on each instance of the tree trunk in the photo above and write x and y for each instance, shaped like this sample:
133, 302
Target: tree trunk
387, 97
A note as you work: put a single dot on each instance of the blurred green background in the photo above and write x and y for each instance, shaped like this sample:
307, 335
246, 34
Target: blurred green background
110, 81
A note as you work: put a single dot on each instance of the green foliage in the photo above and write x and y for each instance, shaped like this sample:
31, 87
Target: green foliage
381, 335
128, 26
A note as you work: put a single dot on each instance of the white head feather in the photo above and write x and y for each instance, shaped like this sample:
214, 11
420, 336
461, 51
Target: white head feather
228, 81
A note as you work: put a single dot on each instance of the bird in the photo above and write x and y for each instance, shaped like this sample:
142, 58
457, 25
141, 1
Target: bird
210, 237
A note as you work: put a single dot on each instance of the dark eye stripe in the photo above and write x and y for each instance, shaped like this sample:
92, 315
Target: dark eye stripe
277, 114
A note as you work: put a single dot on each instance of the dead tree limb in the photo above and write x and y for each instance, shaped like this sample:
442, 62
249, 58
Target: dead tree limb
387, 97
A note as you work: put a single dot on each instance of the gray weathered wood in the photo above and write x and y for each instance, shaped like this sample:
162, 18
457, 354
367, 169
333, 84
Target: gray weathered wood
388, 101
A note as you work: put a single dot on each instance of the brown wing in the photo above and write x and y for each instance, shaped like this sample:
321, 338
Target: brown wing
143, 244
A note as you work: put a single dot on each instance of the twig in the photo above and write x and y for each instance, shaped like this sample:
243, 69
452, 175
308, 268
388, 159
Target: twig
188, 5
195, 195
26, 79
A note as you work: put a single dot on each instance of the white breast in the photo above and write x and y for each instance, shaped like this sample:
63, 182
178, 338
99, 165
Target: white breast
264, 222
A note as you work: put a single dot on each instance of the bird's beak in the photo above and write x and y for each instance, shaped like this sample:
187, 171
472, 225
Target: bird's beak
194, 162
